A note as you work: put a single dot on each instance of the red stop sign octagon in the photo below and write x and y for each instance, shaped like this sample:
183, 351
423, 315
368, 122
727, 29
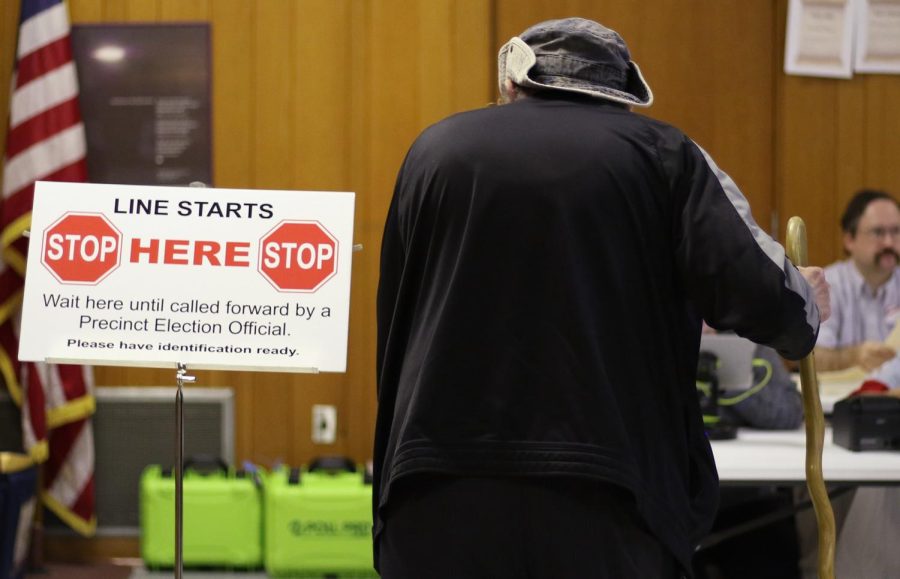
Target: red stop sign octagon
298, 256
81, 248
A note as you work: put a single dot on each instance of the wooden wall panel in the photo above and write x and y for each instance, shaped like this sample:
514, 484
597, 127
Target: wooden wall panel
275, 60
361, 403
833, 137
850, 129
118, 11
273, 99
322, 81
474, 45
321, 141
85, 10
174, 10
329, 94
882, 137
436, 78
233, 36
806, 146
317, 94
233, 32
140, 11
321, 94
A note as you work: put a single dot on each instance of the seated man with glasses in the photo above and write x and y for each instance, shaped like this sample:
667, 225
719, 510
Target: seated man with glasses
865, 288
865, 306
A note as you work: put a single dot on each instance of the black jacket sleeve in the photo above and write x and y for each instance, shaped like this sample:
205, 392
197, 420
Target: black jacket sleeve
738, 277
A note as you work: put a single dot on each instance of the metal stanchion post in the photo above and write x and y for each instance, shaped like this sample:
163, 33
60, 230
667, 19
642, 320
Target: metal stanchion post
181, 377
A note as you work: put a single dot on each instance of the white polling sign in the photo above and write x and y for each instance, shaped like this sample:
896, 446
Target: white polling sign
212, 278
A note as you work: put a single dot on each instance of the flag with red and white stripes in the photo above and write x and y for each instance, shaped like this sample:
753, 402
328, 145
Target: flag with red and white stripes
45, 142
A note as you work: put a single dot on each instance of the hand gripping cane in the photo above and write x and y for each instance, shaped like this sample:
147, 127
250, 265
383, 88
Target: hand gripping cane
815, 423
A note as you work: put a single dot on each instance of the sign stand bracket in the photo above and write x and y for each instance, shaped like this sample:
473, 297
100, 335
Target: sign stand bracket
181, 377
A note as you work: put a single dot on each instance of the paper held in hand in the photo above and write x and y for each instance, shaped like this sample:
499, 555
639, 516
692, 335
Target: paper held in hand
893, 340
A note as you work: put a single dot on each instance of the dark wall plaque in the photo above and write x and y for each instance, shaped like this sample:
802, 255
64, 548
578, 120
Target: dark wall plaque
145, 100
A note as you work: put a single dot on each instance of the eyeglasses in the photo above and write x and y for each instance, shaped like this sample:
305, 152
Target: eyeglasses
882, 232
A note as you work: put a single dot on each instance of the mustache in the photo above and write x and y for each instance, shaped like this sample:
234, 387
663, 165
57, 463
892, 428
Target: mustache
887, 251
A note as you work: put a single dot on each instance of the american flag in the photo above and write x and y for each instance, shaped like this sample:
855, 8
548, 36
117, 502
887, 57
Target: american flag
45, 142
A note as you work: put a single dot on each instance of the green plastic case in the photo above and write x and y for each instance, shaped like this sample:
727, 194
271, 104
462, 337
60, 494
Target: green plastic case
318, 523
222, 519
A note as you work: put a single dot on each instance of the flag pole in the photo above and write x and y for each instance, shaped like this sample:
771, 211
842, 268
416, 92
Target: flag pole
36, 546
36, 537
44, 141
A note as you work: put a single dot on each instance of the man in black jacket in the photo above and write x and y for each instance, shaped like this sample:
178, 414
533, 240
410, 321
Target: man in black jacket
545, 268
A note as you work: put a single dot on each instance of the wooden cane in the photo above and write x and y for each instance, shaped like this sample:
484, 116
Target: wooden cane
815, 423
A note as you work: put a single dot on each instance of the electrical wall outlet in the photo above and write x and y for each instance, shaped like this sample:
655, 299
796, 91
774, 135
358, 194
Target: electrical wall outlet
324, 423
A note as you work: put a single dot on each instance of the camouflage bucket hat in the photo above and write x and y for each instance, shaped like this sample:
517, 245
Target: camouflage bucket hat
576, 55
